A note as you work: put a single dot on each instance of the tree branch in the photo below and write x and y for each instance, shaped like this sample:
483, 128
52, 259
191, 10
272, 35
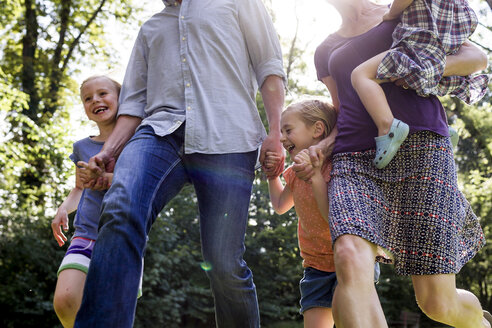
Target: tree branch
76, 41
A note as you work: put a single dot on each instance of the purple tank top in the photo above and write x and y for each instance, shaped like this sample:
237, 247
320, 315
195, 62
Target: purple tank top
337, 56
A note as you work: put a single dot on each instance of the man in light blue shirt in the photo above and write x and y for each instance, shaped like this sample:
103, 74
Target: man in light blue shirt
190, 94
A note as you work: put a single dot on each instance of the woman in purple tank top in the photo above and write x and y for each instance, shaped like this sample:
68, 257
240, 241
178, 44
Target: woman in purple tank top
410, 213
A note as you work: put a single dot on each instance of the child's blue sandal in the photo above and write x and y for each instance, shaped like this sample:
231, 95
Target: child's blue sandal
453, 134
388, 145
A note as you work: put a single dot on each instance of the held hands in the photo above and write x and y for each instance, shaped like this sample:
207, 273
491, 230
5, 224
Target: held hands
272, 145
92, 174
270, 164
308, 162
60, 222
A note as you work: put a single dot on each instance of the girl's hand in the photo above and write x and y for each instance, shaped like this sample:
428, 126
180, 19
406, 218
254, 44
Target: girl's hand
271, 160
93, 176
86, 173
305, 169
271, 163
60, 222
303, 157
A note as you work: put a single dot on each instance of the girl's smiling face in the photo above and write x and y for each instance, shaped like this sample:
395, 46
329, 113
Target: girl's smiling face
296, 135
100, 99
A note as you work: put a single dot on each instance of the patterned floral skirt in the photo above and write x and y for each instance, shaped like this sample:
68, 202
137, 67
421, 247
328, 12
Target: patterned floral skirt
412, 208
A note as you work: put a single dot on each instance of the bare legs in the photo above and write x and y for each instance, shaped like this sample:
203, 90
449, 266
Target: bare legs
439, 299
371, 94
356, 303
391, 132
318, 317
68, 295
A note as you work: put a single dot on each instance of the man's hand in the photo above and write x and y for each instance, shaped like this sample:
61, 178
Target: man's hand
272, 144
91, 174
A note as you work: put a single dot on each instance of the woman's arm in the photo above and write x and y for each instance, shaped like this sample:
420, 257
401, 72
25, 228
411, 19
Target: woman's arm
468, 60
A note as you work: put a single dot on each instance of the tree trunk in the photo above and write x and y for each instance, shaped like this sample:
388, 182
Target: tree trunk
56, 70
29, 44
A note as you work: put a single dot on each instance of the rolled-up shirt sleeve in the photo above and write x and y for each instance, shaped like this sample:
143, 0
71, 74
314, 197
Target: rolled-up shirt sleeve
261, 40
133, 95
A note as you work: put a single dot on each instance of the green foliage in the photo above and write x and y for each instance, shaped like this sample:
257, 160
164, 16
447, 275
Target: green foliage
273, 255
173, 278
35, 176
29, 259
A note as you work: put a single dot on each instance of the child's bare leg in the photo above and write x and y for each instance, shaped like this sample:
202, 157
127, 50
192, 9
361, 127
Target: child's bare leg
68, 295
371, 94
318, 317
439, 299
391, 132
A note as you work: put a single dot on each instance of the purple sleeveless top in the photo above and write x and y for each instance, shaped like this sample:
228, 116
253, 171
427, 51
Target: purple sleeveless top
337, 56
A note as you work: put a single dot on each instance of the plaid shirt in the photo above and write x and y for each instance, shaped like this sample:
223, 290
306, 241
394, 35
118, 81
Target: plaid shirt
429, 30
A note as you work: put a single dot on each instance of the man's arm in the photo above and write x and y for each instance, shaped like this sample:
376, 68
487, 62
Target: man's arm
265, 55
272, 92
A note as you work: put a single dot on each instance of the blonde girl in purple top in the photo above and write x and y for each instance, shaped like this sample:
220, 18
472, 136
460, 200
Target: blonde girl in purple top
427, 32
99, 95
413, 208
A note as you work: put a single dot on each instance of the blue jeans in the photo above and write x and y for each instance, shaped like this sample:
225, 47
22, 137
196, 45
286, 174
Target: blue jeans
150, 171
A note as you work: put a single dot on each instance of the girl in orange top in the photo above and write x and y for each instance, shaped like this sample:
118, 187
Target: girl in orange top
304, 124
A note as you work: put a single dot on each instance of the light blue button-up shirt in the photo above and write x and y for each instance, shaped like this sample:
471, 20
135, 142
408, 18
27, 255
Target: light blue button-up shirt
201, 62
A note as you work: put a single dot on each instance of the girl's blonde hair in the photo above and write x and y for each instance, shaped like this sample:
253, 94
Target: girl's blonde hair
312, 110
116, 84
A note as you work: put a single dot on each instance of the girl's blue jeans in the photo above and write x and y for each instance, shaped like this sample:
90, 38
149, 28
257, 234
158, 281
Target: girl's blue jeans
150, 171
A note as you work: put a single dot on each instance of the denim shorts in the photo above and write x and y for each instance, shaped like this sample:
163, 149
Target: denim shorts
317, 289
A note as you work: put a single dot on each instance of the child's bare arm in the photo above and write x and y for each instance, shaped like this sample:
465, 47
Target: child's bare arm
280, 196
397, 7
318, 183
60, 222
320, 191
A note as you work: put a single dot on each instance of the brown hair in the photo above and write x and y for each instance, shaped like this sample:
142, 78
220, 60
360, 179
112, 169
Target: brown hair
312, 110
116, 84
